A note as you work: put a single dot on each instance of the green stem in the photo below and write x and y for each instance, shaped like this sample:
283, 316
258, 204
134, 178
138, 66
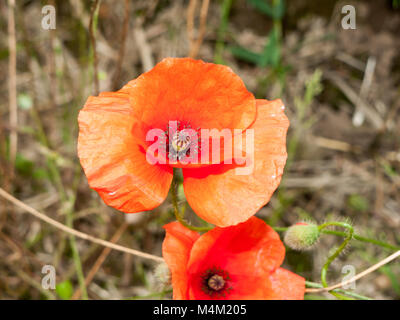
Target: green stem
65, 201
178, 215
75, 252
219, 47
280, 229
310, 284
349, 236
53, 171
355, 237
364, 239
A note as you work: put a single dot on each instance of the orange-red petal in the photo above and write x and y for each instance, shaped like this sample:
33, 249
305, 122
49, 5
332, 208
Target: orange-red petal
204, 95
286, 285
246, 251
176, 249
112, 158
244, 287
222, 197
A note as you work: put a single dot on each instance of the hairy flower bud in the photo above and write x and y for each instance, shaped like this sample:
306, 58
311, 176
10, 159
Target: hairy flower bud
162, 276
302, 236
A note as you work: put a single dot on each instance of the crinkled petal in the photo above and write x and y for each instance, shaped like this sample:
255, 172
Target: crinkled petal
204, 95
244, 287
227, 194
112, 158
246, 251
176, 249
286, 285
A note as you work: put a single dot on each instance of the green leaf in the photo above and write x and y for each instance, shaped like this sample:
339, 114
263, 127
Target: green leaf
23, 165
65, 290
3, 54
39, 174
387, 270
358, 203
246, 55
272, 52
389, 170
275, 11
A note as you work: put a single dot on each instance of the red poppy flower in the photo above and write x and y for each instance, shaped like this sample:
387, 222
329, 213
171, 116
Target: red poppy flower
193, 95
237, 262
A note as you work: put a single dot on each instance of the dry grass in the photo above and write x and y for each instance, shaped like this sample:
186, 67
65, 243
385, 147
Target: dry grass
343, 141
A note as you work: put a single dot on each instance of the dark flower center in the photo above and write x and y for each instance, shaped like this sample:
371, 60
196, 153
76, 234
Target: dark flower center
183, 141
216, 282
180, 141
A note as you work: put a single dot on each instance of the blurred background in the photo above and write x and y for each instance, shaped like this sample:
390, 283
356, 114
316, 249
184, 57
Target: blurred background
341, 88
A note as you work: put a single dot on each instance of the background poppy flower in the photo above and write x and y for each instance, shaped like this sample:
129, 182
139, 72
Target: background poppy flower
112, 142
238, 262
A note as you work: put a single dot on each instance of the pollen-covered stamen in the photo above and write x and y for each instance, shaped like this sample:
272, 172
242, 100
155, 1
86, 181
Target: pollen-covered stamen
183, 141
180, 141
216, 282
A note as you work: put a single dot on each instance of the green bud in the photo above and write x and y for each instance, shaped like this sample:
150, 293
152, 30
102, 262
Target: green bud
302, 236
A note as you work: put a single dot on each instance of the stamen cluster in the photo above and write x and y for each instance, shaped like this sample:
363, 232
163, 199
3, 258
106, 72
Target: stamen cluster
215, 282
181, 141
